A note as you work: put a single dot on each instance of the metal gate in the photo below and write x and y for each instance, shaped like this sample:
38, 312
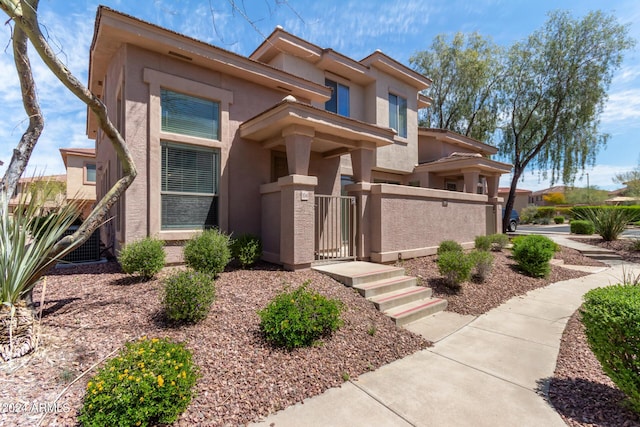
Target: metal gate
335, 228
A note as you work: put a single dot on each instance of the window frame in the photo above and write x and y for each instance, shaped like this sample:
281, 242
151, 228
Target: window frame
337, 89
215, 116
395, 111
85, 173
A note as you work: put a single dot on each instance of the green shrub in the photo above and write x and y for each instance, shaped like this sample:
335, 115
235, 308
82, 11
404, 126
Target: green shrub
145, 257
483, 243
608, 223
449, 246
188, 296
150, 382
580, 226
298, 318
565, 212
482, 262
558, 219
547, 212
455, 267
611, 317
208, 252
247, 249
528, 214
499, 241
533, 253
543, 221
634, 245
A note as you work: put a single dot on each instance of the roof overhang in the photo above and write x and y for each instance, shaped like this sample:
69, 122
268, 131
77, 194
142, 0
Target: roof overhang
457, 139
114, 29
458, 165
332, 134
401, 72
89, 153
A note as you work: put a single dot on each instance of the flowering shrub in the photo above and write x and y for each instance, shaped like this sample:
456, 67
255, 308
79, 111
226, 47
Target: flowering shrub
149, 382
298, 318
246, 249
145, 257
188, 296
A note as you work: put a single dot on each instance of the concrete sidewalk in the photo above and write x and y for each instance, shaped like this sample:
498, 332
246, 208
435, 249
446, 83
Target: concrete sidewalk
489, 371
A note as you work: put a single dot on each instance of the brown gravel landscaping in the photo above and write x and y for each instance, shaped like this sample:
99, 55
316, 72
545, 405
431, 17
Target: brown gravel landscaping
622, 247
91, 311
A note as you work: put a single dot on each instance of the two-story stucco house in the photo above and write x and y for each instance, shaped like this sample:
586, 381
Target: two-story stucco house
266, 144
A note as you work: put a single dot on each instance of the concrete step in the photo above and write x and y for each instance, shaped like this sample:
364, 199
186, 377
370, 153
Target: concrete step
356, 273
415, 310
385, 285
392, 299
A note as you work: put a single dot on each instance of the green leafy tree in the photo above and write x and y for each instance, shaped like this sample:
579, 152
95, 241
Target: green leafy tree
465, 70
630, 179
555, 91
586, 196
554, 198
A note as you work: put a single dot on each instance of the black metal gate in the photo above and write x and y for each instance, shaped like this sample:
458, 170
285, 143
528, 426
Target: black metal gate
335, 228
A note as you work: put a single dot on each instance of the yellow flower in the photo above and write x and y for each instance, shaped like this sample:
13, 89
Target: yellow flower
141, 365
173, 383
112, 368
130, 378
89, 384
126, 371
141, 399
183, 374
154, 340
160, 381
139, 423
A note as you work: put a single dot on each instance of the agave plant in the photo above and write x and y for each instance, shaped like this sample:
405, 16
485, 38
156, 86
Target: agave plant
609, 223
26, 252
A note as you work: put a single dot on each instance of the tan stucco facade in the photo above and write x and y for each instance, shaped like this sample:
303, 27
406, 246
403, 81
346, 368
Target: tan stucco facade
277, 145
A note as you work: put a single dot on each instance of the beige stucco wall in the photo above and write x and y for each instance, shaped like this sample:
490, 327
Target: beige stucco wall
77, 186
521, 201
407, 221
431, 149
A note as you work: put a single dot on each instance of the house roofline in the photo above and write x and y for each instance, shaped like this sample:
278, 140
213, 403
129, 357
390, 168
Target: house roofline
457, 138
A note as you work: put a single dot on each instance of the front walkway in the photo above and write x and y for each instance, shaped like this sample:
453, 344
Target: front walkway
488, 372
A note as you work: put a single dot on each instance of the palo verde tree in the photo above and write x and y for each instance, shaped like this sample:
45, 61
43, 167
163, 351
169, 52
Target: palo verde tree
630, 179
555, 89
466, 70
28, 247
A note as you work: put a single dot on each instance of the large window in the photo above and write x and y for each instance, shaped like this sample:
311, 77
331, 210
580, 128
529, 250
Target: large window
398, 114
339, 102
189, 115
189, 190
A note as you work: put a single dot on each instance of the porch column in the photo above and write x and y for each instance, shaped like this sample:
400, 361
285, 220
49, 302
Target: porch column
492, 186
362, 162
471, 179
492, 191
297, 220
298, 140
362, 193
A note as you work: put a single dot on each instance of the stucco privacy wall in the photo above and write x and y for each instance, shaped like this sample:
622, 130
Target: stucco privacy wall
407, 222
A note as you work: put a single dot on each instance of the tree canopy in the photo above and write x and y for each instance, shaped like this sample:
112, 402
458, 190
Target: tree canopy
548, 92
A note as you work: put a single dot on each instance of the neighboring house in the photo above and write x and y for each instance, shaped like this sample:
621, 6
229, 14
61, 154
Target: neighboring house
266, 144
28, 188
537, 197
522, 200
81, 176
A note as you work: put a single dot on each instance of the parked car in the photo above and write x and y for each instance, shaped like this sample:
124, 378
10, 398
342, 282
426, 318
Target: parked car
514, 220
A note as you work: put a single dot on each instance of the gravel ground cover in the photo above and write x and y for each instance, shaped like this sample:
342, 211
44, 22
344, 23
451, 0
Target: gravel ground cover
624, 247
91, 311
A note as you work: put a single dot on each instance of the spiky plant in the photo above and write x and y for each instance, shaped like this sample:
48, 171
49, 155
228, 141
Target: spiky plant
26, 252
609, 223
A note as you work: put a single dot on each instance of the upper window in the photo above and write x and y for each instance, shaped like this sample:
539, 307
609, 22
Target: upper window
339, 102
189, 115
398, 114
90, 172
189, 186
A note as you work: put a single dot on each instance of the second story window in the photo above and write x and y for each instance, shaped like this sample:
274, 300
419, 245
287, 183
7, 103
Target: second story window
398, 114
90, 173
189, 115
339, 102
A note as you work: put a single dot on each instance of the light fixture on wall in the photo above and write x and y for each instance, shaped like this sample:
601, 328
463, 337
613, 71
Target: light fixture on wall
445, 203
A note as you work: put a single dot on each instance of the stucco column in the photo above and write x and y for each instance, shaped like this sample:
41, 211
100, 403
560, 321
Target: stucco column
362, 193
297, 206
362, 162
471, 179
298, 140
492, 185
493, 182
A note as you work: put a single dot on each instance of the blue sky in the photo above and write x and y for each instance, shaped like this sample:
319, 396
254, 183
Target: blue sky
355, 28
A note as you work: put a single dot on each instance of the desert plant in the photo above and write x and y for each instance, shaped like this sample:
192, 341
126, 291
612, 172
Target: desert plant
208, 252
499, 241
558, 219
449, 246
246, 249
543, 220
580, 226
547, 212
23, 260
608, 223
188, 296
634, 245
611, 317
299, 317
145, 257
455, 267
151, 381
533, 253
482, 243
482, 264
528, 214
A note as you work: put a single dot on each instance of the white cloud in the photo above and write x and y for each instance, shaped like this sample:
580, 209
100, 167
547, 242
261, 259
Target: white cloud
623, 106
